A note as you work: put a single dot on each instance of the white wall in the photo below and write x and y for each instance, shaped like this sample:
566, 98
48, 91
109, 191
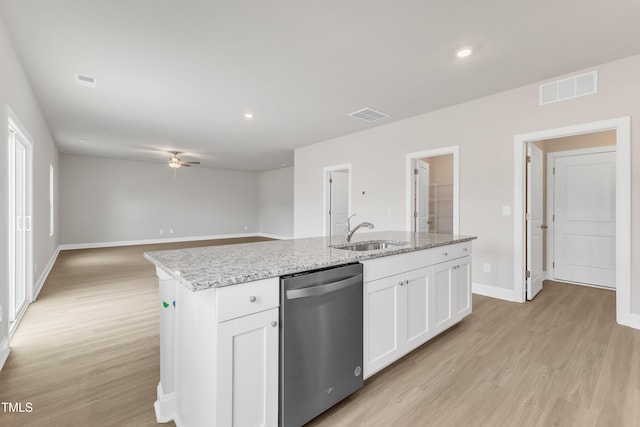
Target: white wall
276, 202
16, 92
106, 200
484, 129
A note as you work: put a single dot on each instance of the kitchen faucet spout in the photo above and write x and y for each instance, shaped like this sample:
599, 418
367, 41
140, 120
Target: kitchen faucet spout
351, 232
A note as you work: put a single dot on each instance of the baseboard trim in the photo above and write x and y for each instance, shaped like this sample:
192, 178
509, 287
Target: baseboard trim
45, 274
494, 292
165, 406
4, 352
632, 321
275, 236
96, 245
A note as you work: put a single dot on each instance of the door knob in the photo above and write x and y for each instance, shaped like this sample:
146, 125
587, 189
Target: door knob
252, 298
274, 323
544, 226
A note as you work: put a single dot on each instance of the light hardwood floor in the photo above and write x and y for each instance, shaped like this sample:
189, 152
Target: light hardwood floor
86, 354
87, 351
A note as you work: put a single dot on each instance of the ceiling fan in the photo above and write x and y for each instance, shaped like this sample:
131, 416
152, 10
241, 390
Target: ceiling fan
176, 162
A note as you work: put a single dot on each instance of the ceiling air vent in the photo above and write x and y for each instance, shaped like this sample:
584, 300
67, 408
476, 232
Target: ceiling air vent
571, 87
82, 80
368, 115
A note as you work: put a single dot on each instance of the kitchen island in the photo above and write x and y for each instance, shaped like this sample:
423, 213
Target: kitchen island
219, 315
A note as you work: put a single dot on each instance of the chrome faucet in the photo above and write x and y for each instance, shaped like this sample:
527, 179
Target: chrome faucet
350, 232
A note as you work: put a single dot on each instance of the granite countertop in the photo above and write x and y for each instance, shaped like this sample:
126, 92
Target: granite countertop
216, 266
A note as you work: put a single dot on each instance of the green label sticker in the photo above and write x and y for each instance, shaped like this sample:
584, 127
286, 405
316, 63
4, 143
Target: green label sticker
165, 304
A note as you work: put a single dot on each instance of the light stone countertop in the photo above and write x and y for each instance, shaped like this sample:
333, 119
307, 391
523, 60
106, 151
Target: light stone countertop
225, 265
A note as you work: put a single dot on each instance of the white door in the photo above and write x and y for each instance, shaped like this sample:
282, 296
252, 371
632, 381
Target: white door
421, 196
584, 211
417, 285
443, 297
20, 224
535, 226
463, 287
338, 202
248, 383
384, 332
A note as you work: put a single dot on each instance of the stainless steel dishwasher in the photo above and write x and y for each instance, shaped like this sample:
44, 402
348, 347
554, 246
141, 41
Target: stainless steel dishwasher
320, 341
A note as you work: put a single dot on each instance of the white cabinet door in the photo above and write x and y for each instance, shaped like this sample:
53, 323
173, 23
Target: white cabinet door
416, 292
383, 334
443, 295
248, 370
462, 278
397, 317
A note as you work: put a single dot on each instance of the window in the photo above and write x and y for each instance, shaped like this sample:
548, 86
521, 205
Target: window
51, 206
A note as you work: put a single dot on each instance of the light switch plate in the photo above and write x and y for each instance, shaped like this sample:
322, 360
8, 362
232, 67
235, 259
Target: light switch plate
506, 210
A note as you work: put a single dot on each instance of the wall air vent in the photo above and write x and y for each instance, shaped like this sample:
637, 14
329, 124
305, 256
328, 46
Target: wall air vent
571, 87
368, 115
82, 80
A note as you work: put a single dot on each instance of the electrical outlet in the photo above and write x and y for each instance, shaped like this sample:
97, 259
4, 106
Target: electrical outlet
487, 267
246, 227
0, 313
506, 210
171, 231
161, 231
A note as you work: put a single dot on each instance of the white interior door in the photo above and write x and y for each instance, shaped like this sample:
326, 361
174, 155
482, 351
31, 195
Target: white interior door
584, 211
421, 197
20, 225
338, 202
535, 225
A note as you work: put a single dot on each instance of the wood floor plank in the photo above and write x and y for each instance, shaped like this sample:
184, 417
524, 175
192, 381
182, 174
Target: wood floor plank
87, 351
87, 354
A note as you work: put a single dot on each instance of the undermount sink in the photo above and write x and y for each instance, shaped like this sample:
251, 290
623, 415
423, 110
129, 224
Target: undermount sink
369, 246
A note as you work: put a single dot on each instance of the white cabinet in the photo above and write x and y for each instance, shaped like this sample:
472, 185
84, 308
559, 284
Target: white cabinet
248, 370
444, 295
462, 280
226, 355
409, 299
452, 292
396, 311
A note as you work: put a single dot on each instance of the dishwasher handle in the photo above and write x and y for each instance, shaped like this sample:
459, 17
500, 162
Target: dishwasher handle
314, 291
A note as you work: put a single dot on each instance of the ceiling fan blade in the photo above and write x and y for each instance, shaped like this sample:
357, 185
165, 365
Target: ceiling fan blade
193, 163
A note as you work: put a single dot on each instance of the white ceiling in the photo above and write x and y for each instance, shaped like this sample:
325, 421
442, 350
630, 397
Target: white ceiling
181, 74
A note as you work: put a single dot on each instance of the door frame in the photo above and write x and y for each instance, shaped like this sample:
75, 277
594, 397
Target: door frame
622, 126
550, 198
12, 121
325, 199
410, 157
417, 189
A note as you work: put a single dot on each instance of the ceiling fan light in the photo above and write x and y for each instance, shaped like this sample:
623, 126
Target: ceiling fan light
174, 164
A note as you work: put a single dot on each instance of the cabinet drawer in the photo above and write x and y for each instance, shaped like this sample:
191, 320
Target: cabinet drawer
247, 298
446, 253
379, 268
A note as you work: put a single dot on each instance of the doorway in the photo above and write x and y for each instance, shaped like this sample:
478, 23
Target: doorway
432, 191
570, 214
20, 220
621, 127
337, 199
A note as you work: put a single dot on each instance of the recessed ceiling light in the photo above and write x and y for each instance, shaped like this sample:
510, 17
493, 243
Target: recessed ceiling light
284, 165
464, 52
248, 116
83, 140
